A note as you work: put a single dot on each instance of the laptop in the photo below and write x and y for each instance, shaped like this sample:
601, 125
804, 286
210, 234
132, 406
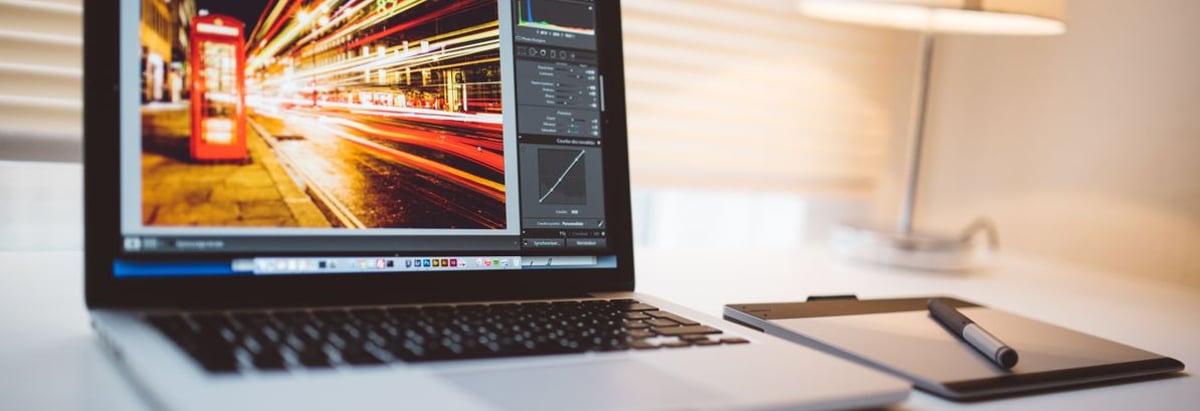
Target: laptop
387, 204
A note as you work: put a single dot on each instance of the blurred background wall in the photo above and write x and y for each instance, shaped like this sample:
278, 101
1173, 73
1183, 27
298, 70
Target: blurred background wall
1084, 146
751, 126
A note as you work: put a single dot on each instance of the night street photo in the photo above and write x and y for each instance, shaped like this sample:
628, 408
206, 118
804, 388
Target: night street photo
351, 114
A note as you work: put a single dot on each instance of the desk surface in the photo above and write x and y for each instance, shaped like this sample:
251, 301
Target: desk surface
49, 359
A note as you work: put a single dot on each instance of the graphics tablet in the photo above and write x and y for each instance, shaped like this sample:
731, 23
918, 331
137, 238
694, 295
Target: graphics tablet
899, 336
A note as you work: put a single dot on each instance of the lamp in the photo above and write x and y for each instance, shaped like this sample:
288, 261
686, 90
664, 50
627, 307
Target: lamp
903, 246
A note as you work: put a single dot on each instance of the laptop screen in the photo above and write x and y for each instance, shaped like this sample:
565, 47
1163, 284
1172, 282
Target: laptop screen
283, 137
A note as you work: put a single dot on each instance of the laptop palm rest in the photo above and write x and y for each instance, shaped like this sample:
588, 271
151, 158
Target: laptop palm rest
604, 385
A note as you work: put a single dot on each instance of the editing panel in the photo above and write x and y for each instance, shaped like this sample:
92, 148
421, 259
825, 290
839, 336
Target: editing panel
558, 125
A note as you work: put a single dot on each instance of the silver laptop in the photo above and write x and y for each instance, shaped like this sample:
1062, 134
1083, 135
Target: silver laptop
391, 204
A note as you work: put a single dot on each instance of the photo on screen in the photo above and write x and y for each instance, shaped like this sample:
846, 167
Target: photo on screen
324, 114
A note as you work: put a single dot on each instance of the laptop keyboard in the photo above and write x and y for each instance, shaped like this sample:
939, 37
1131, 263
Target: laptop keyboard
290, 339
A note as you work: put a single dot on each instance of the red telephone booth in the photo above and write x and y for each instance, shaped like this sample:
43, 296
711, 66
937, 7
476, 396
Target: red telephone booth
218, 88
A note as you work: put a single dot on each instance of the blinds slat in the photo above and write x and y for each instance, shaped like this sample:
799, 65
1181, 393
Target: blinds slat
41, 58
33, 82
41, 17
40, 116
40, 50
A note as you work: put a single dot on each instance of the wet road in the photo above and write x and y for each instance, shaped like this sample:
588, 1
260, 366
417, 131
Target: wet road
385, 168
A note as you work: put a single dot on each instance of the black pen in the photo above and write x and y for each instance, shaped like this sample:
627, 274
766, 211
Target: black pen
986, 343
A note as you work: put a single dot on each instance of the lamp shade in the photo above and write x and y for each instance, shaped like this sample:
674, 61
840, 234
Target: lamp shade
1001, 17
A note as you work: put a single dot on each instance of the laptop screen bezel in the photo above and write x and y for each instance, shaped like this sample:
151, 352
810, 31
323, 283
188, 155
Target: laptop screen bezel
102, 236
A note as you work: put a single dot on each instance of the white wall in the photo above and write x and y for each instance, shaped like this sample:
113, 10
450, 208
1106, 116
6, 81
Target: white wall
1084, 146
41, 206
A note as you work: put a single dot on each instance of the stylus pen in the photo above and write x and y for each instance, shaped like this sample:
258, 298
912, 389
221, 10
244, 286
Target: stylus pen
983, 341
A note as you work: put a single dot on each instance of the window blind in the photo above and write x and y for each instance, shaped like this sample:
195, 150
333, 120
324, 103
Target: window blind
748, 93
40, 79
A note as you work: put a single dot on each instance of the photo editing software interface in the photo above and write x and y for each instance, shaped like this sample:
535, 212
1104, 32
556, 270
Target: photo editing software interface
268, 137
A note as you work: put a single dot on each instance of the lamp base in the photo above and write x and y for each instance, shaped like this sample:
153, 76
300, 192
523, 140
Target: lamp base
922, 251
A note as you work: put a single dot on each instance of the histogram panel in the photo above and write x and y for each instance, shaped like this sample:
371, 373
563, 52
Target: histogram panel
563, 15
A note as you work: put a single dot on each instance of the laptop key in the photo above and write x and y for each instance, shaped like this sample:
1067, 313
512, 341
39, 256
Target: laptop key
639, 334
313, 359
673, 317
359, 356
268, 360
687, 329
661, 322
636, 307
636, 315
216, 360
634, 325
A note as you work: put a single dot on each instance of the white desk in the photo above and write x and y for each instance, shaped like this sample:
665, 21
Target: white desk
49, 359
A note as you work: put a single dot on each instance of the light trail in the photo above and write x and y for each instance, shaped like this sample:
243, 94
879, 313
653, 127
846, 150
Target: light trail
457, 6
438, 141
257, 36
473, 149
401, 86
265, 104
482, 185
394, 58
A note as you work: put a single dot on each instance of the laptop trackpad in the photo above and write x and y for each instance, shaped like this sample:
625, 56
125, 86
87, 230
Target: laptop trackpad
606, 385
